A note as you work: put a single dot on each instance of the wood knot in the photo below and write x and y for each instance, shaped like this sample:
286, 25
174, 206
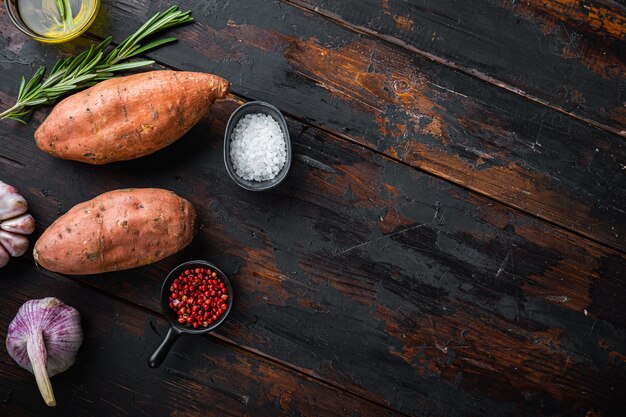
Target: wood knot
285, 400
400, 86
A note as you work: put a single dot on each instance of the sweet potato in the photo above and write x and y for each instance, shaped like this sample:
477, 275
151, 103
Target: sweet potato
117, 230
128, 117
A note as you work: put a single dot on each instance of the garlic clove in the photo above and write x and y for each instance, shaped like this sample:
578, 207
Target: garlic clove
15, 244
4, 256
11, 202
24, 224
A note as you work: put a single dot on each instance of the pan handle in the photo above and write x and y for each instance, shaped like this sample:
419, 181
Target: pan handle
161, 352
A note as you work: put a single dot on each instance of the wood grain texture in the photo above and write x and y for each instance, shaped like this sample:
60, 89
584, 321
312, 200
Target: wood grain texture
567, 54
379, 279
363, 272
203, 376
416, 111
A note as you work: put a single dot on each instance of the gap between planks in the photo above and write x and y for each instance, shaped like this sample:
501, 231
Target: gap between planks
301, 372
474, 73
12, 161
340, 136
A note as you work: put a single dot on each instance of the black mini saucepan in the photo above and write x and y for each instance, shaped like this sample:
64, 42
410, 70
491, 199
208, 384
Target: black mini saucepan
176, 329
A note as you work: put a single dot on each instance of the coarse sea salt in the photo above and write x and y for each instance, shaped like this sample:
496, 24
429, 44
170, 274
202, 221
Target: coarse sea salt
257, 148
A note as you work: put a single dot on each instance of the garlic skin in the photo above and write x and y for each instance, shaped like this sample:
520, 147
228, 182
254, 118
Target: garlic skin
14, 224
44, 338
11, 202
24, 224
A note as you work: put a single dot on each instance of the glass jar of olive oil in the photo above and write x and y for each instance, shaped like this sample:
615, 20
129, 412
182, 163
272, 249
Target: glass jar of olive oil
53, 21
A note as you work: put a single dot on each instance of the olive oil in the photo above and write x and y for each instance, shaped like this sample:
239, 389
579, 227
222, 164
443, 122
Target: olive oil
44, 18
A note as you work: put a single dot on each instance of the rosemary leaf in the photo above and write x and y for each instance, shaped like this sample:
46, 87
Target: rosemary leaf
128, 65
65, 11
22, 84
151, 45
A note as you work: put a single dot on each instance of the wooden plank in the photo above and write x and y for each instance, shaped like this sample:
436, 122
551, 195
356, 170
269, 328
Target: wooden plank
419, 112
202, 375
567, 54
371, 275
375, 277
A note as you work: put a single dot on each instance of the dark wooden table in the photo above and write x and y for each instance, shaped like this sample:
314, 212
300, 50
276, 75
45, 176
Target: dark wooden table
450, 241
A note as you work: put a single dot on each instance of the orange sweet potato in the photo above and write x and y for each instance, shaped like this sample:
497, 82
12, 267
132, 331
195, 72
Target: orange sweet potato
128, 117
117, 230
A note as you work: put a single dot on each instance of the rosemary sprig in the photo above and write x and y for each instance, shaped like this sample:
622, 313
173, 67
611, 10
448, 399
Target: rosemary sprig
92, 66
65, 11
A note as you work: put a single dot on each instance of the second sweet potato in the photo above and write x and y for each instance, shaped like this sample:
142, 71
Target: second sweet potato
128, 117
117, 230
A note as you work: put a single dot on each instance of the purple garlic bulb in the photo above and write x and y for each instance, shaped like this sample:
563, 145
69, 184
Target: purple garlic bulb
44, 338
14, 223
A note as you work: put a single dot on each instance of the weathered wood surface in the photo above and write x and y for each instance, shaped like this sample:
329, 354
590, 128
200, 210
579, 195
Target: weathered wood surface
377, 278
568, 54
363, 273
202, 377
412, 109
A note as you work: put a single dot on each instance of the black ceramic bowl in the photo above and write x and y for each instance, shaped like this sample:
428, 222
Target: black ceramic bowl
264, 108
176, 329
